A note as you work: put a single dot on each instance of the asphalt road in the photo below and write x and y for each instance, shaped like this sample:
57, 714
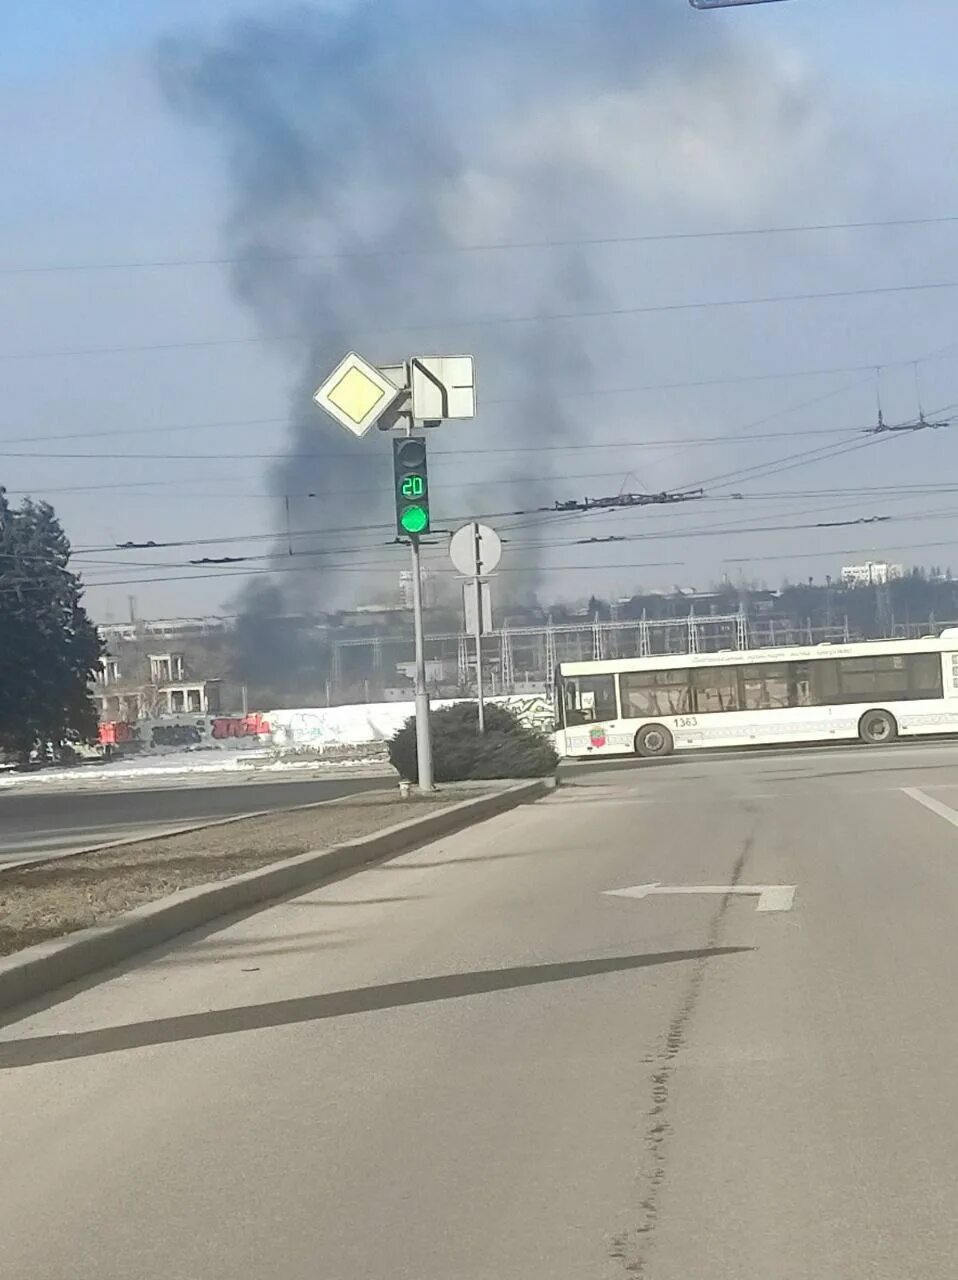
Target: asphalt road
44, 821
472, 1064
41, 824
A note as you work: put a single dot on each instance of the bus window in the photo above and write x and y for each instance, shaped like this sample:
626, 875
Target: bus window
646, 694
799, 685
825, 686
716, 689
924, 675
588, 699
863, 679
765, 686
881, 677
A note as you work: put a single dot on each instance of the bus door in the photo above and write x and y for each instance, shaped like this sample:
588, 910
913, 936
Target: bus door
590, 713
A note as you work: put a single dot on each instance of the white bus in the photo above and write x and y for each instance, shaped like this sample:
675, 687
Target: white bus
875, 691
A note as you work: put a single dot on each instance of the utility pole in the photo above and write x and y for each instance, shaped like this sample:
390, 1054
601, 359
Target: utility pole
475, 550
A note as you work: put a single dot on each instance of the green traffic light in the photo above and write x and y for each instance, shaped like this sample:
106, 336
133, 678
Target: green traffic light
414, 519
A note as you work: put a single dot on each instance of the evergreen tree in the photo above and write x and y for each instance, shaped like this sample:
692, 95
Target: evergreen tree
49, 648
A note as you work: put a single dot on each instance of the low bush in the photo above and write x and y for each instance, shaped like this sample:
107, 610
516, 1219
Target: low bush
507, 749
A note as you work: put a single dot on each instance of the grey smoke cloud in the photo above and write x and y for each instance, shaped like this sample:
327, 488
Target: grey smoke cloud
402, 124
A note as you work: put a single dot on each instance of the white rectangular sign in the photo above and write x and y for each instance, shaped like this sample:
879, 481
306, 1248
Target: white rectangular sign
443, 387
469, 607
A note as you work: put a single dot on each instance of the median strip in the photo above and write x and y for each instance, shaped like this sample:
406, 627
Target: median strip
67, 918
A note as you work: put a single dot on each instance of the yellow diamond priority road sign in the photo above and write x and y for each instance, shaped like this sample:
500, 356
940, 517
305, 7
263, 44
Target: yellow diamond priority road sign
356, 394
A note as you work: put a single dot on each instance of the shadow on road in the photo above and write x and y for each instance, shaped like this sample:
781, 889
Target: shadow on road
332, 1004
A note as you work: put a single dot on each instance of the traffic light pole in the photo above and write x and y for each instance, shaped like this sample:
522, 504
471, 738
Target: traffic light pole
423, 737
426, 389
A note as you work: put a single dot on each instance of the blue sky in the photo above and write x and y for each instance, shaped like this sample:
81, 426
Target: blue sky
42, 37
853, 117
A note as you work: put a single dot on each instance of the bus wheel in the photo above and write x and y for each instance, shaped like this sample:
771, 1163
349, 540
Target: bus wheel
653, 740
877, 727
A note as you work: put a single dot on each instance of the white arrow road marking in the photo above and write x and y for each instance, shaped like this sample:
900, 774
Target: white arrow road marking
771, 897
943, 810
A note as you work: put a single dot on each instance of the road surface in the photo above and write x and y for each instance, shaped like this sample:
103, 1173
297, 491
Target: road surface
471, 1063
44, 823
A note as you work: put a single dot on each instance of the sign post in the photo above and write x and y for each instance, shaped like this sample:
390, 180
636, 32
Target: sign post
475, 550
478, 586
359, 395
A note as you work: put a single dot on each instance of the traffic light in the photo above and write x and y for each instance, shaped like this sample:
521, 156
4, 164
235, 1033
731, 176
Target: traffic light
412, 486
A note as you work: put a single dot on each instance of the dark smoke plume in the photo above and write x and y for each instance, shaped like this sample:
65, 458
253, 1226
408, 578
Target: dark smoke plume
396, 125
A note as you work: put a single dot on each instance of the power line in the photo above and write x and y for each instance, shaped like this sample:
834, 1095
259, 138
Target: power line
452, 454
376, 566
501, 246
734, 529
771, 468
692, 441
533, 518
791, 461
498, 481
489, 321
433, 453
720, 531
231, 424
748, 432
845, 551
526, 568
803, 459
905, 490
223, 560
538, 518
888, 493
904, 427
567, 393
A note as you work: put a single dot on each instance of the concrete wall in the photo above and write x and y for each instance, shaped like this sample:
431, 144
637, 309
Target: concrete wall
377, 721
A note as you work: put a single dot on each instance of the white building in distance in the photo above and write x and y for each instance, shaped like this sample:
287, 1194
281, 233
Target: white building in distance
406, 591
871, 574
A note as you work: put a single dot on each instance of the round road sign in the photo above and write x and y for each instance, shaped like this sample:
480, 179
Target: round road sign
475, 550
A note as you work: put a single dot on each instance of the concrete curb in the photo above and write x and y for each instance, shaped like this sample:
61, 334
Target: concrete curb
38, 970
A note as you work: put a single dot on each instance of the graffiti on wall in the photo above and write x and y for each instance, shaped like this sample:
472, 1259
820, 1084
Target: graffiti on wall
115, 733
533, 710
377, 722
321, 728
172, 735
251, 726
183, 732
301, 728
